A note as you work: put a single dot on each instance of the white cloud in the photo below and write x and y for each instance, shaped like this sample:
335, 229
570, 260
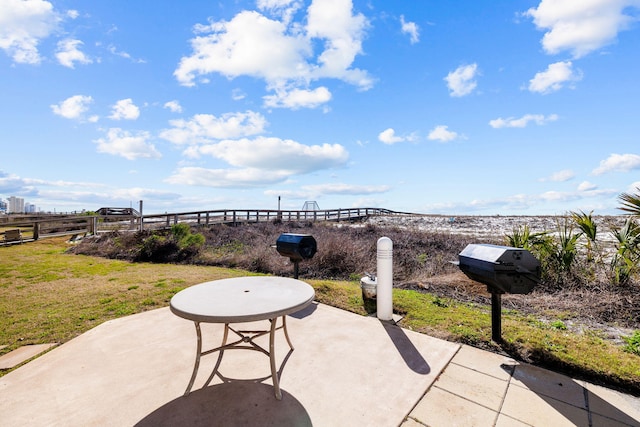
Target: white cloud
581, 26
125, 109
68, 53
13, 184
274, 154
568, 196
249, 44
618, 163
298, 98
461, 81
279, 51
23, 24
174, 106
586, 186
204, 128
238, 94
333, 22
634, 187
277, 4
560, 176
314, 192
73, 14
99, 195
522, 202
388, 136
284, 9
126, 55
410, 28
523, 121
553, 79
123, 143
72, 107
79, 195
345, 189
226, 178
443, 134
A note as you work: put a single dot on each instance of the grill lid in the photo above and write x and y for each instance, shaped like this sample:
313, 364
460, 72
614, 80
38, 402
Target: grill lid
503, 269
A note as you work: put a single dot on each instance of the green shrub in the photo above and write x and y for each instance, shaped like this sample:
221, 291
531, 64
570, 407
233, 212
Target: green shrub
632, 343
180, 231
559, 324
183, 237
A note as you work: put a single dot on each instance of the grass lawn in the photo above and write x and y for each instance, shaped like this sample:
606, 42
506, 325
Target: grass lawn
49, 296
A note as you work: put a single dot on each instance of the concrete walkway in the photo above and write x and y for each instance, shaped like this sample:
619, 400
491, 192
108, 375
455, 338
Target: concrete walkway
346, 370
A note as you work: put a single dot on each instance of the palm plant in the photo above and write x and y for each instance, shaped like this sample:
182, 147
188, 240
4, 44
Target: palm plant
625, 261
558, 255
566, 249
589, 229
522, 237
630, 202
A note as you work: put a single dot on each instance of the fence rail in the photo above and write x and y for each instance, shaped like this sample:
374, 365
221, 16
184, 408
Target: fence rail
36, 228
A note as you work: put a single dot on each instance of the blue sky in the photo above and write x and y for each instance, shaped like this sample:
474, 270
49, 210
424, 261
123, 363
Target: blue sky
467, 107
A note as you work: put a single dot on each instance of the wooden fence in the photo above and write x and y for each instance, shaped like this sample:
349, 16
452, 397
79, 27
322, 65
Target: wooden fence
51, 225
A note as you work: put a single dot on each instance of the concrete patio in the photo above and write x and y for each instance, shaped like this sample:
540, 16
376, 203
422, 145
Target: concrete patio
346, 370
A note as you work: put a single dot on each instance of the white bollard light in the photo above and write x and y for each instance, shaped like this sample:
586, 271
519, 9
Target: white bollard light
384, 298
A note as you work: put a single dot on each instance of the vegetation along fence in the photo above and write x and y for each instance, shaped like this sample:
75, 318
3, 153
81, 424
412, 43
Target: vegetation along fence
40, 226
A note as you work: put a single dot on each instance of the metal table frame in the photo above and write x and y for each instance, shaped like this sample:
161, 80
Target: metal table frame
246, 343
241, 300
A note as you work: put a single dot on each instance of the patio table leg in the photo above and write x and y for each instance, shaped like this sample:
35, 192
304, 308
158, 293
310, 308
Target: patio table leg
272, 357
286, 333
220, 354
197, 364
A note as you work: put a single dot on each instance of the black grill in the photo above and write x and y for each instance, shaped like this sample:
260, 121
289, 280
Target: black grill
296, 247
504, 270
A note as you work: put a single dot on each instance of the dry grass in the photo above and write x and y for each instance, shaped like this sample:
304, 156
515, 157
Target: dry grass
48, 297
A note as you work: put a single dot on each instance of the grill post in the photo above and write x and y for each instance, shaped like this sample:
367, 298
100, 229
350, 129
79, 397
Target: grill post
496, 317
296, 269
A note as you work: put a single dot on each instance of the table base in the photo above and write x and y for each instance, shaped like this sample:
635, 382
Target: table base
245, 342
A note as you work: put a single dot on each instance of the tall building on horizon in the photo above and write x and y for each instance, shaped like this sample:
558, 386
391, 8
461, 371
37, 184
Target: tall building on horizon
29, 208
16, 205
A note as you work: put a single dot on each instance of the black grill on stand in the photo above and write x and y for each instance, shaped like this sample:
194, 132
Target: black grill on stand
504, 270
297, 247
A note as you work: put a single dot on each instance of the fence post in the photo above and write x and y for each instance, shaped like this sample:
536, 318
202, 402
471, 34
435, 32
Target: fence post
141, 217
36, 230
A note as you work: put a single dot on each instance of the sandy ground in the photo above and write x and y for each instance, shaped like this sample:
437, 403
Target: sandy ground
488, 226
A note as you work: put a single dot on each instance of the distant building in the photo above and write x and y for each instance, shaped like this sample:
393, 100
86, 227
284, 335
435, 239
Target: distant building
3, 207
29, 208
16, 205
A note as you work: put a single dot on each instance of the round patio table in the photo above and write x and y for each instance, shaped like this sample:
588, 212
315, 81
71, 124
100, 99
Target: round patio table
239, 300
